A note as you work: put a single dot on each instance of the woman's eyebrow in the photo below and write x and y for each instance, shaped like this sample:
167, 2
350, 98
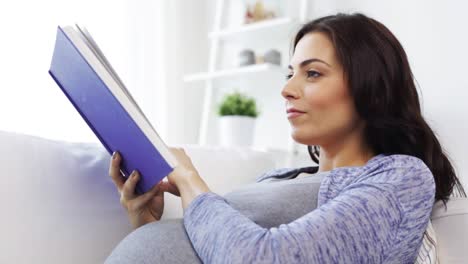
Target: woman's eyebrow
308, 61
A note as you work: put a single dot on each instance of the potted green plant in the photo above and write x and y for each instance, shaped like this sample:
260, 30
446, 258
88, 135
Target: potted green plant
238, 113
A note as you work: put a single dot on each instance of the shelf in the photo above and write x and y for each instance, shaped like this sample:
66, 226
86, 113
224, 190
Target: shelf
258, 68
275, 26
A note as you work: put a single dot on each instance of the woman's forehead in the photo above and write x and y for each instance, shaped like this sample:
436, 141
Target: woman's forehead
314, 45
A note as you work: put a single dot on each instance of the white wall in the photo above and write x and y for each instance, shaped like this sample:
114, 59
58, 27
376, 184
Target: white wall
30, 101
187, 52
166, 40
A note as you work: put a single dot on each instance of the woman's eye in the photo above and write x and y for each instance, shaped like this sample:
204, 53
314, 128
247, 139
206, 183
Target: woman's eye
313, 74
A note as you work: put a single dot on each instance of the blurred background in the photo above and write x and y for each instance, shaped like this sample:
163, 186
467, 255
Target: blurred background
180, 58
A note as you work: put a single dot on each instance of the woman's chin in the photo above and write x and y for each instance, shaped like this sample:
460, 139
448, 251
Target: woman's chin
301, 139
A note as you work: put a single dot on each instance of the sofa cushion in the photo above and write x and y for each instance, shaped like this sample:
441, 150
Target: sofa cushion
60, 205
451, 228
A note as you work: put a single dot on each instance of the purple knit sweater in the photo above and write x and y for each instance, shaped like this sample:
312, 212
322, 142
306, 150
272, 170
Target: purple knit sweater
376, 213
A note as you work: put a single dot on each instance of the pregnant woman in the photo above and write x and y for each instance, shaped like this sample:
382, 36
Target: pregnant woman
351, 98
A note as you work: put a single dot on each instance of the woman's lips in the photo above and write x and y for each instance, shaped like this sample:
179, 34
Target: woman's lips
294, 114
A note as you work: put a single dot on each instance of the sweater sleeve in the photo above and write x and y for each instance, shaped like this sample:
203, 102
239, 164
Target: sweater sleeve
357, 226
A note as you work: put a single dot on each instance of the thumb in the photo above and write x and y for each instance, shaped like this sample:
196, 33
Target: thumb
166, 186
146, 197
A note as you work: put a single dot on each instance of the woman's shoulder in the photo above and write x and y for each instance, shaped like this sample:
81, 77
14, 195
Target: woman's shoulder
397, 167
401, 161
384, 169
404, 175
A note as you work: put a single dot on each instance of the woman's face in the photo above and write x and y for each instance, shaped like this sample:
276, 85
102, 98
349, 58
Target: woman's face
317, 88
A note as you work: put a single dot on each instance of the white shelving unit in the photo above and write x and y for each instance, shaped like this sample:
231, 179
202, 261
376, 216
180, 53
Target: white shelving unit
268, 30
241, 71
271, 26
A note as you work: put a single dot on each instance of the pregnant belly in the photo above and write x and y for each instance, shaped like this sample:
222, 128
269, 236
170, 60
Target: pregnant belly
276, 203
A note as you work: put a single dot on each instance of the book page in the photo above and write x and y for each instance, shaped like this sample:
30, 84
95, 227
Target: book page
84, 34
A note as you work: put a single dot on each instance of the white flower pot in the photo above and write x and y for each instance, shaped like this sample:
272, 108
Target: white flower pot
236, 130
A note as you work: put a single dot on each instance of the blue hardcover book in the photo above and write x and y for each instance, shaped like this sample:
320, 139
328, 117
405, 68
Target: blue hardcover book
87, 79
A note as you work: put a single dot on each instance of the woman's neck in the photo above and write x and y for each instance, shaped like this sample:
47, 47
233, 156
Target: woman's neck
329, 161
349, 152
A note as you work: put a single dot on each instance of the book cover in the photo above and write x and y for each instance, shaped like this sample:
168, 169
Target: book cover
108, 109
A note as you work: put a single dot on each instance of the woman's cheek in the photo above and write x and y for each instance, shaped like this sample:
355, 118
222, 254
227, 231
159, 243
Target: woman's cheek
318, 99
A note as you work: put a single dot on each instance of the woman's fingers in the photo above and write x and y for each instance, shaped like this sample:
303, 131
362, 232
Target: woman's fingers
141, 201
169, 187
114, 171
128, 189
144, 198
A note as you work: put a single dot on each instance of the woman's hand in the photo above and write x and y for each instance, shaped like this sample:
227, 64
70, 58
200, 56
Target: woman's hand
141, 209
186, 178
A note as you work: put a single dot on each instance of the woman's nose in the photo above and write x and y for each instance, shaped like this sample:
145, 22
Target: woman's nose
289, 91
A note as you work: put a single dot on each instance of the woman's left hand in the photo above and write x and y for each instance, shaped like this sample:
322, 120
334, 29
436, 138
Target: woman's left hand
141, 209
186, 178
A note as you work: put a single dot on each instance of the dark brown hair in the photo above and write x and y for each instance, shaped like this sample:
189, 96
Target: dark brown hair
384, 93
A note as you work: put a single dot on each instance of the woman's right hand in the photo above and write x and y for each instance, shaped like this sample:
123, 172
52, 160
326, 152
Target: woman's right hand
141, 209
